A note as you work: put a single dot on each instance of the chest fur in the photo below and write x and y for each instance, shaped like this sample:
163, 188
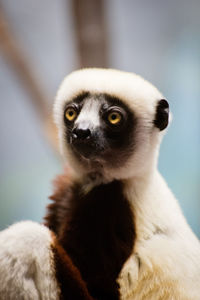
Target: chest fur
97, 231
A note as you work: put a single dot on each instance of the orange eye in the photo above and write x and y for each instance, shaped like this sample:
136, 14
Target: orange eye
70, 114
114, 118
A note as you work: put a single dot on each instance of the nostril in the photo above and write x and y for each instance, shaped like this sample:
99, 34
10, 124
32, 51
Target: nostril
82, 134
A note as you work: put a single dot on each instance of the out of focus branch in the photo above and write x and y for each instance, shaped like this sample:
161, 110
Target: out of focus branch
16, 58
91, 33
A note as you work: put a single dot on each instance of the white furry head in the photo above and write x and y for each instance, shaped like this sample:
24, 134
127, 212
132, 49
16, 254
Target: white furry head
92, 89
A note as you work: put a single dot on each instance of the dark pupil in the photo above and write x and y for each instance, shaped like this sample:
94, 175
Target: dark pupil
71, 113
113, 117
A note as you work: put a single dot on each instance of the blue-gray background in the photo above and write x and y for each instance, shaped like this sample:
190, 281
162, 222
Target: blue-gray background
159, 40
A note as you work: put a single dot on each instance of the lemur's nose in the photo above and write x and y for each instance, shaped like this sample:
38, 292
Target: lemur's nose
81, 134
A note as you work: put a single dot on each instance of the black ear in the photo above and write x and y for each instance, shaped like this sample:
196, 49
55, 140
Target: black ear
162, 114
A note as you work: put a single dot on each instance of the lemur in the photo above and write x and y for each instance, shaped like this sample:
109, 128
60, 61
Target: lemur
114, 229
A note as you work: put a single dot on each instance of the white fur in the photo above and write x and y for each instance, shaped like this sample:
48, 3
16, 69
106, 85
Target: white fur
89, 115
26, 263
165, 263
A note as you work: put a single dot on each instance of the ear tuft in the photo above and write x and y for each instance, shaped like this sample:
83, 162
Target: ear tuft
162, 114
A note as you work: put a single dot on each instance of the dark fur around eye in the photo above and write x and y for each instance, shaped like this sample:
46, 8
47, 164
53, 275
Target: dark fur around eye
120, 137
119, 110
76, 103
162, 114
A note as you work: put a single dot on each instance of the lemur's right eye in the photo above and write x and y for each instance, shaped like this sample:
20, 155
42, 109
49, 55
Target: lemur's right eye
70, 114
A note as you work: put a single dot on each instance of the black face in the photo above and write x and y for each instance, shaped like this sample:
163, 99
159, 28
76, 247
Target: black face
111, 141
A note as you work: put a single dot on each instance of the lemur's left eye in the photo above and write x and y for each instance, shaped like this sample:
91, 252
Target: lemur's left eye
70, 114
114, 118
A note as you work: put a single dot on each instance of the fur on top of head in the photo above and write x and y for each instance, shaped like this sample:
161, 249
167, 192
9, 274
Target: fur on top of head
141, 98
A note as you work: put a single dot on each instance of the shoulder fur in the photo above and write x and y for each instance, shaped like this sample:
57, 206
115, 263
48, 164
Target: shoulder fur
57, 210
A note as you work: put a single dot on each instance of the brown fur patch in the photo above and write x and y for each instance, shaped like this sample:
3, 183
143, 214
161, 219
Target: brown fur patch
68, 276
96, 230
57, 210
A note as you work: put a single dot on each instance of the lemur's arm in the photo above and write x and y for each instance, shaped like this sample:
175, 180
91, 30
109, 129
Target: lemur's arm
33, 266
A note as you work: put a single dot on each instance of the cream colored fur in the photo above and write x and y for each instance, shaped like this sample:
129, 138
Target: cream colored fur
165, 263
26, 263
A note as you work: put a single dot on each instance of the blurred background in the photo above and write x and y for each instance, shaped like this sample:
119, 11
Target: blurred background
42, 41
